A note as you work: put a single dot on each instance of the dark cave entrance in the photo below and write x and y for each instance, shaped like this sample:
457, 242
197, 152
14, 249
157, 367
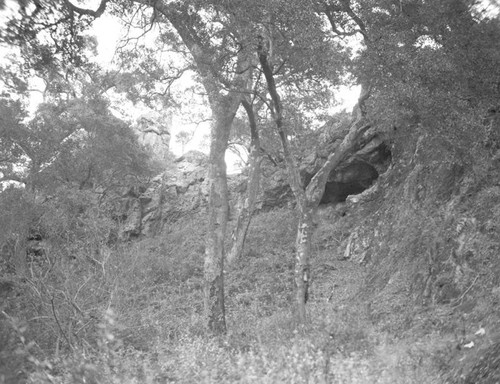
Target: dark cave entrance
354, 177
351, 180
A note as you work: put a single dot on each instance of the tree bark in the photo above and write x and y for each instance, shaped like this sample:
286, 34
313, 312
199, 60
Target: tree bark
218, 211
20, 258
248, 205
305, 231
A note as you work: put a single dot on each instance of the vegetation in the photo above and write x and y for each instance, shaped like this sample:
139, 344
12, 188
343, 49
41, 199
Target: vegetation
398, 284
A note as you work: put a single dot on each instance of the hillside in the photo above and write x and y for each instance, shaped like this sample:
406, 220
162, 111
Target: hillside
372, 235
404, 288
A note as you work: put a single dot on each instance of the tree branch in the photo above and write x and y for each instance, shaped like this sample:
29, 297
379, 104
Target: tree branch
85, 11
293, 170
347, 8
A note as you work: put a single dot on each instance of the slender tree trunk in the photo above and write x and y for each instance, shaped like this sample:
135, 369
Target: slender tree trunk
21, 239
218, 212
305, 231
305, 227
248, 205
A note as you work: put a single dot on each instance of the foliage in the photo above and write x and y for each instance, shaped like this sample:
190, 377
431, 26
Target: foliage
155, 333
434, 62
39, 31
92, 309
77, 143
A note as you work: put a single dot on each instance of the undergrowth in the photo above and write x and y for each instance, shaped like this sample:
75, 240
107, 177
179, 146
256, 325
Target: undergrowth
143, 320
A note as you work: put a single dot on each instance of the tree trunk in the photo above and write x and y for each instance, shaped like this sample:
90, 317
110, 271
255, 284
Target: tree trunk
305, 231
248, 205
218, 212
20, 258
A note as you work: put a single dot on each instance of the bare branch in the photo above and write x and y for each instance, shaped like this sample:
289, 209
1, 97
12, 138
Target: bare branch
345, 6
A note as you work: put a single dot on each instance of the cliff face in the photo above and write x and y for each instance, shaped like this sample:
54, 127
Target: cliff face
422, 229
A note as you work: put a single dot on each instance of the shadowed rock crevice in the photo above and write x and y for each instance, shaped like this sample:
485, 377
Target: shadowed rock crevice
351, 180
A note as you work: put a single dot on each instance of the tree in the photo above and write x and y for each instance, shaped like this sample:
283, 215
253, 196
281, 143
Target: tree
77, 142
76, 148
183, 137
292, 47
11, 116
309, 198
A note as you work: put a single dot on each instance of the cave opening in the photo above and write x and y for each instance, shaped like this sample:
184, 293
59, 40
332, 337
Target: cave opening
354, 177
350, 180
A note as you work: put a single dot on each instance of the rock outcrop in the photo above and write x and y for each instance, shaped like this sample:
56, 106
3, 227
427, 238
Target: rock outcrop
358, 172
178, 191
353, 176
153, 131
182, 189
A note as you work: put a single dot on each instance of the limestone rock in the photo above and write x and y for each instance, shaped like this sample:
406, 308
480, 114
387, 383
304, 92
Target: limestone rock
354, 175
132, 226
406, 232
